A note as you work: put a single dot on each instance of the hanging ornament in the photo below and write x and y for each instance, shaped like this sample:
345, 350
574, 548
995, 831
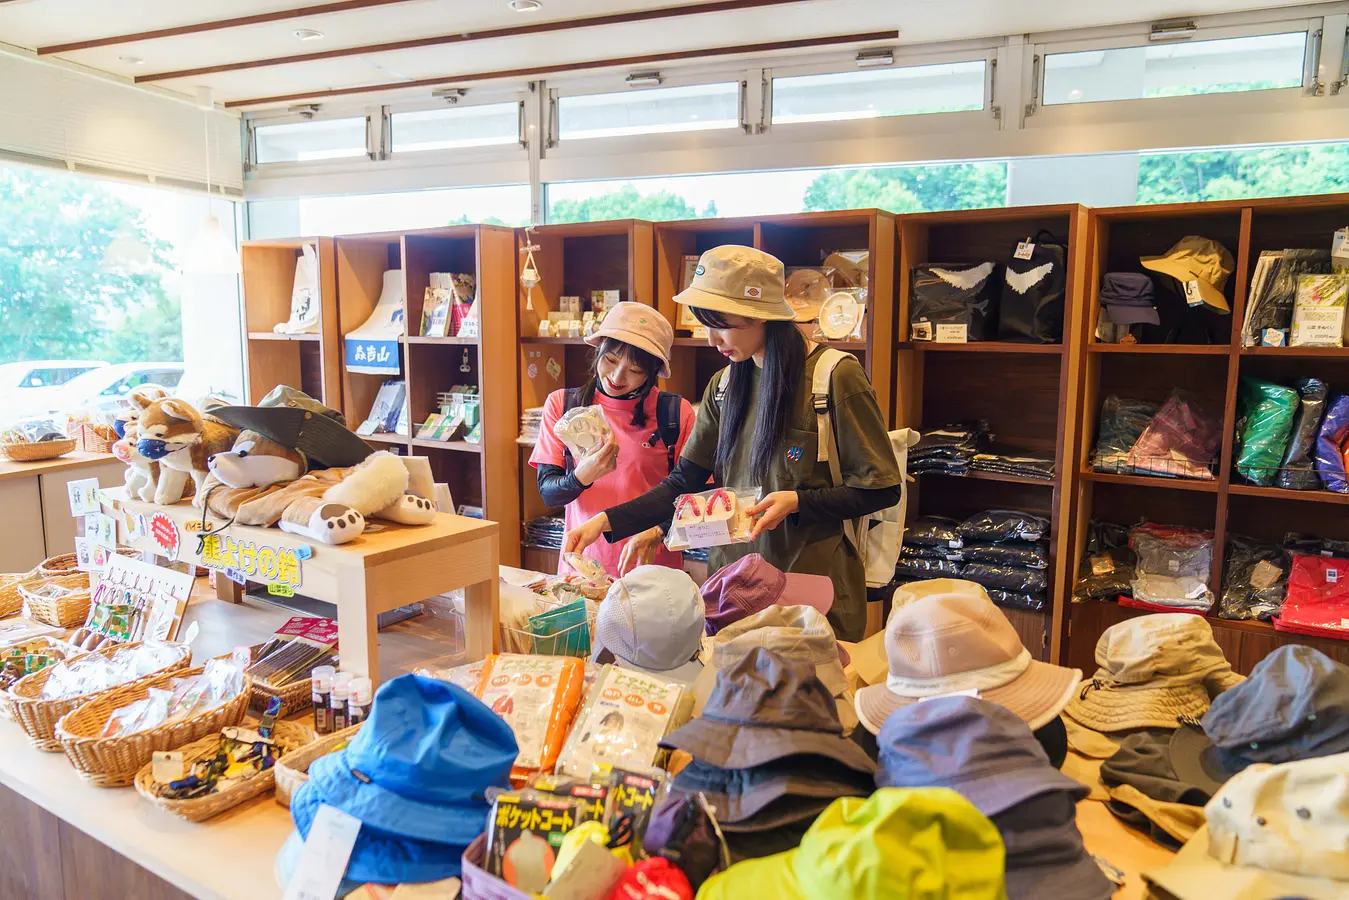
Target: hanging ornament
463, 365
529, 274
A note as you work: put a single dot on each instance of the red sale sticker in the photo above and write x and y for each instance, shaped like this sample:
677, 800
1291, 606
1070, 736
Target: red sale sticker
165, 534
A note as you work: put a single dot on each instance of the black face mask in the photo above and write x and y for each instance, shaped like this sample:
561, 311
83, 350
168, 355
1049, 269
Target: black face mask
630, 395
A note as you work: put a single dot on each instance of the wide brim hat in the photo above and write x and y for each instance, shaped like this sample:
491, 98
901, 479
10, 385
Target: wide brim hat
1197, 760
298, 422
1107, 708
1195, 874
1200, 261
732, 746
641, 327
739, 281
740, 795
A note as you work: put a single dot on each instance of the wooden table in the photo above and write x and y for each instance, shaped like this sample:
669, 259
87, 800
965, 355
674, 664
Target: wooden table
375, 573
37, 522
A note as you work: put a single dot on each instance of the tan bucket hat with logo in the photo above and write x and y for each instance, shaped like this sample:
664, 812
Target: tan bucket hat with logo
642, 327
739, 281
1202, 266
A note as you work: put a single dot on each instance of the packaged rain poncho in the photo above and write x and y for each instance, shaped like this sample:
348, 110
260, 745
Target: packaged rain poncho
1013, 553
1107, 568
1033, 291
1122, 424
1330, 446
1297, 472
1264, 422
1255, 581
1005, 578
954, 303
934, 531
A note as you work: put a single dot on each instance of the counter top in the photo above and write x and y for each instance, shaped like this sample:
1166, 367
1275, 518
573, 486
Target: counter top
76, 459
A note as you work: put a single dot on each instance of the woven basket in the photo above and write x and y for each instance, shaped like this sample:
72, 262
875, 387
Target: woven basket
69, 611
66, 564
288, 736
292, 770
38, 717
91, 440
70, 651
11, 601
294, 697
34, 452
114, 762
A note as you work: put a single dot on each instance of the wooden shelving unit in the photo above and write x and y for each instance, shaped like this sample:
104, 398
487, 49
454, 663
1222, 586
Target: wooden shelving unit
1025, 391
1225, 505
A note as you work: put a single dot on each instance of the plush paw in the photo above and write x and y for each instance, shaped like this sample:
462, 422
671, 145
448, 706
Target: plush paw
409, 509
334, 523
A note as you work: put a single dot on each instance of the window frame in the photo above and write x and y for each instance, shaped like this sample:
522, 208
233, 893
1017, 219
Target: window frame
253, 124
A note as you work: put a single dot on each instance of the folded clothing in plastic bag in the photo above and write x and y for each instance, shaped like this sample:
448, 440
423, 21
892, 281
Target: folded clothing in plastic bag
928, 568
957, 441
1025, 465
1122, 424
1273, 304
1264, 423
1107, 568
1012, 553
1255, 581
1297, 470
998, 525
918, 551
954, 302
1006, 578
1174, 565
1013, 600
1181, 441
1318, 597
934, 531
1315, 546
1330, 446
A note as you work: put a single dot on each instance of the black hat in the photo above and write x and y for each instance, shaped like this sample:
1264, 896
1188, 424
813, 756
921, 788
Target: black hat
298, 422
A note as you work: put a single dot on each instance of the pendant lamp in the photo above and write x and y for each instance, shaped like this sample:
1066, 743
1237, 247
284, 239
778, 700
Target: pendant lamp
211, 251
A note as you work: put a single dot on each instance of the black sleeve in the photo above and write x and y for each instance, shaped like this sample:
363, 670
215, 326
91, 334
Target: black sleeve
840, 504
656, 506
557, 486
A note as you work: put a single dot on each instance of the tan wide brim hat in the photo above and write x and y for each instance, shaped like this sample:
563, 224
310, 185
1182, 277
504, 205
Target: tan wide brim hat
642, 327
739, 281
1196, 875
1106, 708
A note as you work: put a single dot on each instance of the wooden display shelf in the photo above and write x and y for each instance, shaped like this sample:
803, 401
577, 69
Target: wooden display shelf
569, 341
458, 446
1152, 481
1003, 477
447, 341
1250, 490
1338, 353
273, 336
1162, 349
981, 347
385, 438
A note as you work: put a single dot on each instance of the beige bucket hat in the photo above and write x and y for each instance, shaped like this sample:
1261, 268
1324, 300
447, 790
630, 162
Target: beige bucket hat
959, 642
1154, 670
867, 657
740, 281
1202, 266
642, 327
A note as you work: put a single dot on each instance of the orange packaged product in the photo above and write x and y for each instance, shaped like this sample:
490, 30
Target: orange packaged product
538, 696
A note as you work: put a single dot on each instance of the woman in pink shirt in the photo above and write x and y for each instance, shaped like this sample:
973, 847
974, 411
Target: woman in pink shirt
632, 349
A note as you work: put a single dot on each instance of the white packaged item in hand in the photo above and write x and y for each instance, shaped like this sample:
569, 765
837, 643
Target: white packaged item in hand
712, 518
582, 429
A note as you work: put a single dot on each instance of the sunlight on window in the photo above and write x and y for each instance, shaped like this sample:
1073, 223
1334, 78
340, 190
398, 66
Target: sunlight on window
873, 93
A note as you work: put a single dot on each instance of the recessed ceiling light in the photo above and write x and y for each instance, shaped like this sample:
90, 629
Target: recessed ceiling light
132, 60
525, 5
308, 34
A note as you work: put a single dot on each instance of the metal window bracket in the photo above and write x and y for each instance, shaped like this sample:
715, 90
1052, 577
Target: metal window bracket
1034, 103
993, 109
1316, 88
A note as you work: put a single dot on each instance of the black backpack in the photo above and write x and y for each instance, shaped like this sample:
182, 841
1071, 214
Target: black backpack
667, 424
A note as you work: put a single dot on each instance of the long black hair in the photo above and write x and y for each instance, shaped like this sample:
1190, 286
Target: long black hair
628, 354
784, 360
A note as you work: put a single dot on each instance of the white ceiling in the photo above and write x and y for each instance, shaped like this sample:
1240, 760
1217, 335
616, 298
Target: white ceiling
33, 24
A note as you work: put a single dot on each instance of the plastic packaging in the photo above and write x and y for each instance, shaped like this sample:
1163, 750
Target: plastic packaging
1034, 285
1315, 546
934, 531
220, 681
1264, 423
954, 303
922, 569
1122, 424
1255, 582
1013, 553
1013, 600
1318, 313
1174, 565
98, 672
624, 718
1330, 446
918, 551
1006, 578
997, 525
321, 681
1107, 568
582, 429
35, 430
1272, 307
1318, 597
1297, 471
1181, 441
712, 518
538, 696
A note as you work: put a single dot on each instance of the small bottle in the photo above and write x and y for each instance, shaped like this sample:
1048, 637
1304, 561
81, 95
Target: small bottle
358, 706
322, 681
338, 699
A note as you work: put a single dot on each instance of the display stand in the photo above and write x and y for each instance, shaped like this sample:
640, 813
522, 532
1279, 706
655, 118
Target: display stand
373, 574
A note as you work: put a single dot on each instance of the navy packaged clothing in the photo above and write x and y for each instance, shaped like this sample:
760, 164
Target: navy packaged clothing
934, 531
954, 301
1297, 472
1017, 600
1033, 292
918, 551
1122, 423
1330, 446
1006, 578
956, 441
1255, 582
1011, 553
1128, 298
1024, 465
1107, 568
928, 568
1004, 525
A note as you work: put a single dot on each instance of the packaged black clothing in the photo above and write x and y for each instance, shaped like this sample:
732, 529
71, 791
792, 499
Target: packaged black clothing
1013, 600
954, 303
1026, 466
1255, 581
1273, 303
1122, 423
1006, 578
934, 531
921, 569
1011, 553
1107, 568
1297, 470
918, 551
956, 441
1034, 285
996, 525
1314, 546
939, 466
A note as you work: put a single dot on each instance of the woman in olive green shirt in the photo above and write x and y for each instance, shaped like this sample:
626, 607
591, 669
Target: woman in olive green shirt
759, 430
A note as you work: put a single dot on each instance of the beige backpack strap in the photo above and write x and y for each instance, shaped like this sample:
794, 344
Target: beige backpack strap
826, 440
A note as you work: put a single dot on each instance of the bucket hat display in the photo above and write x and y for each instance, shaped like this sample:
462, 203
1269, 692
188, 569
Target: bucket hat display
642, 327
1154, 670
1272, 831
763, 709
652, 621
739, 281
896, 844
868, 656
741, 795
948, 643
752, 584
297, 421
415, 775
1201, 266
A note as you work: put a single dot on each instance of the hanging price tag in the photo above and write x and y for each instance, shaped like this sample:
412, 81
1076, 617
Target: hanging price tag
83, 499
1192, 295
167, 765
1024, 250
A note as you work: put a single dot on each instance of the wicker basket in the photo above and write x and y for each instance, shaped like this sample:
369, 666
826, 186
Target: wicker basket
292, 770
69, 611
38, 717
289, 736
70, 651
66, 564
37, 451
114, 762
294, 697
95, 439
11, 601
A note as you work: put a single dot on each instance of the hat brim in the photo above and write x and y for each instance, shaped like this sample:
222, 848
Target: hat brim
1109, 709
1037, 695
831, 675
1212, 297
775, 310
1196, 761
723, 787
815, 591
1132, 314
998, 792
320, 438
686, 674
731, 746
333, 783
1195, 875
640, 341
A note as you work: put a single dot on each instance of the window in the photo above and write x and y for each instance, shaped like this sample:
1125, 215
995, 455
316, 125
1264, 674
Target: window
1263, 62
700, 107
507, 204
455, 128
310, 141
872, 93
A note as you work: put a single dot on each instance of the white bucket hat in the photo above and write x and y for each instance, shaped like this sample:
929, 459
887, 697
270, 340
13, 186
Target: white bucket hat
740, 281
642, 327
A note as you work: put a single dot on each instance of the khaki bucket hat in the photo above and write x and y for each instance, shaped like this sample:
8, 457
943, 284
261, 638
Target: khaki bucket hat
1202, 267
739, 281
642, 327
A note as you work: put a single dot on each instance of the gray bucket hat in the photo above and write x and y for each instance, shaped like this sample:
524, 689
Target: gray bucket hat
743, 795
297, 421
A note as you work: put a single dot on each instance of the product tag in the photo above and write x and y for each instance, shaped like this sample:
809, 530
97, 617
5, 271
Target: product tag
1273, 337
1192, 295
952, 334
101, 530
1102, 564
281, 590
1339, 251
84, 556
1024, 250
167, 765
1173, 565
1264, 575
707, 534
971, 692
922, 331
323, 861
1114, 873
1332, 576
304, 551
1344, 623
234, 575
83, 496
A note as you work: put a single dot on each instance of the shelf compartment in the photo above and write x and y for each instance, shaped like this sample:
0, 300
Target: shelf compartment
1337, 353
1009, 347
385, 438
1002, 477
446, 341
459, 446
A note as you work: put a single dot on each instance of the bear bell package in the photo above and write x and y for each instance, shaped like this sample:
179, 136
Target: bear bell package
624, 718
538, 697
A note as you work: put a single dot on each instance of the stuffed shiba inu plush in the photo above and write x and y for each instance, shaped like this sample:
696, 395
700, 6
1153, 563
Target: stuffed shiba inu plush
172, 433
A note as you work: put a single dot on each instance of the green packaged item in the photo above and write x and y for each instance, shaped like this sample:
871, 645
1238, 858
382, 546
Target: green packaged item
1264, 426
564, 631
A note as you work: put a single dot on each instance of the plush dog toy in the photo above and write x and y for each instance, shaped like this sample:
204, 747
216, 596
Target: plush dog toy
142, 475
136, 402
172, 433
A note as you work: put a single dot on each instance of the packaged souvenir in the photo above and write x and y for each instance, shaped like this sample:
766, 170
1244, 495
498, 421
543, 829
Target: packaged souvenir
1035, 282
466, 675
1256, 580
295, 650
1107, 568
625, 716
712, 518
997, 525
1297, 471
526, 832
634, 795
1318, 311
98, 672
538, 697
1264, 423
843, 314
582, 429
806, 289
1318, 597
589, 569
954, 303
563, 630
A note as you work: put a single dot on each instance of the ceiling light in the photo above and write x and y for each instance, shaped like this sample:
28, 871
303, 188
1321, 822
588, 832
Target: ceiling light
643, 79
870, 58
132, 60
308, 34
525, 5
211, 252
1174, 30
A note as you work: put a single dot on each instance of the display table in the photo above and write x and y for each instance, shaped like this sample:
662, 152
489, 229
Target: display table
37, 522
375, 573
